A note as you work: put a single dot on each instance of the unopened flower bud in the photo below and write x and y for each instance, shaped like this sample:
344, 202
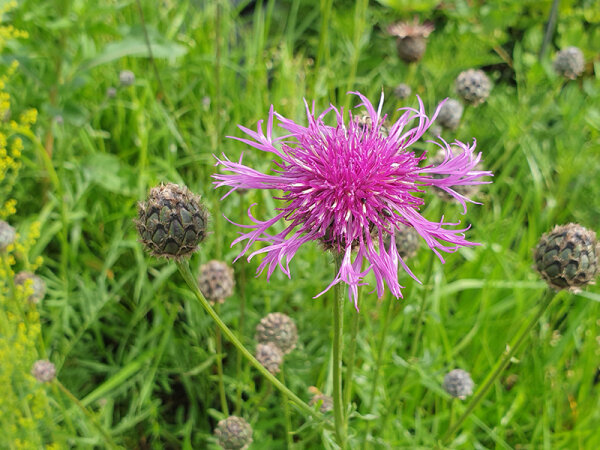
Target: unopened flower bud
7, 235
450, 114
458, 383
473, 86
37, 285
126, 78
216, 281
279, 329
234, 433
43, 371
172, 221
567, 257
569, 62
270, 356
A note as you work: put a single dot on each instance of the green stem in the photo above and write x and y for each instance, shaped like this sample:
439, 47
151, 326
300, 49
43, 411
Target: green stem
87, 413
286, 412
241, 322
549, 28
338, 325
417, 336
184, 270
219, 350
384, 331
502, 363
351, 356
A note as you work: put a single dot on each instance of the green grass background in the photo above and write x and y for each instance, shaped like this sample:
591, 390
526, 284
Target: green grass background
128, 337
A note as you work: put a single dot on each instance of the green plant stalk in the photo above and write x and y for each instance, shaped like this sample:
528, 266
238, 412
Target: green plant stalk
417, 336
549, 28
219, 350
184, 270
241, 322
338, 326
351, 356
286, 412
110, 443
501, 364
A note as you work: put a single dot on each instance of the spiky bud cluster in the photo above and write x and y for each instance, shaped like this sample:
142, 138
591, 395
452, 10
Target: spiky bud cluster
473, 86
216, 281
567, 257
569, 62
7, 235
29, 279
402, 91
172, 221
412, 39
270, 356
450, 114
43, 371
278, 329
233, 433
407, 241
126, 78
458, 383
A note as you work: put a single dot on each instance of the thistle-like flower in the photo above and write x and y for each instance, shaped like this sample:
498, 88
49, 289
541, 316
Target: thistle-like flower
216, 281
568, 257
233, 433
412, 39
349, 186
458, 383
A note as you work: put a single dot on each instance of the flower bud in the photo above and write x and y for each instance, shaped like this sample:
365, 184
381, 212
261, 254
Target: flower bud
473, 86
458, 383
234, 433
43, 371
279, 329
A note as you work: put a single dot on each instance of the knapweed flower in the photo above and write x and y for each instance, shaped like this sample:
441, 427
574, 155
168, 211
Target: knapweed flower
348, 186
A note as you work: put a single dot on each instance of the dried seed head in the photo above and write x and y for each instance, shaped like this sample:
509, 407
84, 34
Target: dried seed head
32, 281
407, 241
569, 62
450, 114
567, 257
412, 39
172, 221
402, 91
126, 78
216, 281
458, 383
7, 235
270, 356
43, 371
326, 402
279, 329
233, 433
473, 86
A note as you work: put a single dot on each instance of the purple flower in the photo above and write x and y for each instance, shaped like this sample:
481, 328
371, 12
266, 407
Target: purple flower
349, 186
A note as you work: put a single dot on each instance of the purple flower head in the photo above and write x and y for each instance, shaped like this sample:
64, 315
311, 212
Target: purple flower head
349, 186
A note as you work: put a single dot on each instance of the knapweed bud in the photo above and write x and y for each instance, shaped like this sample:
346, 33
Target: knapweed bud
569, 63
233, 433
473, 86
270, 356
7, 235
367, 124
111, 92
43, 371
28, 279
279, 329
172, 221
450, 114
567, 257
126, 78
325, 401
412, 39
407, 241
216, 281
402, 91
458, 383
